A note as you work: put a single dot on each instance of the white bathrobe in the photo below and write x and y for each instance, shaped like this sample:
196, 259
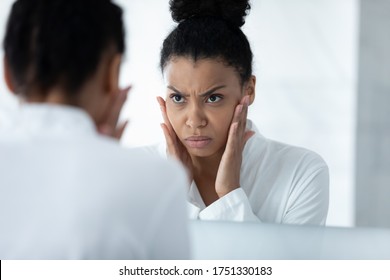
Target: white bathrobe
67, 192
279, 183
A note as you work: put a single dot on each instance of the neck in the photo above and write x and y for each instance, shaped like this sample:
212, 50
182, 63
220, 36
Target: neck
205, 173
87, 98
207, 166
54, 96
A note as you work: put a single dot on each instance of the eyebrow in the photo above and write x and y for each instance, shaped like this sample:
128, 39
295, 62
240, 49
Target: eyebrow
207, 93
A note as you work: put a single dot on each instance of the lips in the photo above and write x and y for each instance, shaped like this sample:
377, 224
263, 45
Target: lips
197, 142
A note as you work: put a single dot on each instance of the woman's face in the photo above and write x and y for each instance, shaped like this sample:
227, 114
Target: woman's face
200, 101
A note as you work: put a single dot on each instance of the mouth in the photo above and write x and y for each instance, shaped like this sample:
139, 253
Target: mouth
197, 142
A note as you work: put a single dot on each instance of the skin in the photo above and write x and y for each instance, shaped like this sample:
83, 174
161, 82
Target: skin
205, 113
100, 96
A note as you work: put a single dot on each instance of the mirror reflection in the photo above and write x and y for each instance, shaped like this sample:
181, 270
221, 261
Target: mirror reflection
315, 84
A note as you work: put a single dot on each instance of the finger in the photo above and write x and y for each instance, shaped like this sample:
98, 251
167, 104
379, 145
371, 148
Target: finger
237, 113
169, 132
166, 132
116, 107
241, 110
105, 130
232, 138
160, 101
171, 143
248, 134
239, 117
244, 114
120, 129
164, 114
163, 109
238, 127
162, 104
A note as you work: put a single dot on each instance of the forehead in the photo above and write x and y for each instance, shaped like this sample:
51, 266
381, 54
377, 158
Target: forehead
203, 72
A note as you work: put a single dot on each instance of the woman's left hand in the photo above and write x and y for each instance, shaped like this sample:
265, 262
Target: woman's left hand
109, 126
228, 175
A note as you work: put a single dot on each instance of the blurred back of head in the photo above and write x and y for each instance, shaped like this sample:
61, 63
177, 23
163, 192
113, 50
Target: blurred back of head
59, 43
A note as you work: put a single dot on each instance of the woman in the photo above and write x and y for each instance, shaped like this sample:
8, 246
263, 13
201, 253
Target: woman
237, 174
66, 191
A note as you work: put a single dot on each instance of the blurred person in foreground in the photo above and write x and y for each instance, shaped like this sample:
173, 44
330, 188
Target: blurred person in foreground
67, 188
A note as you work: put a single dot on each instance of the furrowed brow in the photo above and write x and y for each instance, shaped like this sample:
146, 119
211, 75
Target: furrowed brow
211, 91
177, 91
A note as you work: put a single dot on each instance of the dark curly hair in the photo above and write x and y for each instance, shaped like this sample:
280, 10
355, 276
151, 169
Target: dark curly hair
60, 42
210, 29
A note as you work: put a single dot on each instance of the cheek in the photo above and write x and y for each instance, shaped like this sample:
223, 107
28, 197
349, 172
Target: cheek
222, 121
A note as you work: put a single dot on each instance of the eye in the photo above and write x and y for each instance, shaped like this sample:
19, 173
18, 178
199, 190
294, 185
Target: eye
214, 98
177, 98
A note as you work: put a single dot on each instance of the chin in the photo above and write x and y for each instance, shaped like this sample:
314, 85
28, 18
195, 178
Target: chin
202, 153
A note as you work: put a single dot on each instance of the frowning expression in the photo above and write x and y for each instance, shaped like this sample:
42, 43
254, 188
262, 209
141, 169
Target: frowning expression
201, 98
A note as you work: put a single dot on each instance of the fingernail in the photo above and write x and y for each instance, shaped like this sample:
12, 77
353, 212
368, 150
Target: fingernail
105, 130
124, 92
126, 89
240, 107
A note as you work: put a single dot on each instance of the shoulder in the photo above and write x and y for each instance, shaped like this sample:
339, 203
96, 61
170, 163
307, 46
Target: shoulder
282, 156
8, 113
133, 168
140, 193
290, 153
158, 149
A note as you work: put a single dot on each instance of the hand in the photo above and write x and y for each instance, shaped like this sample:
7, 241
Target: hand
175, 148
228, 175
109, 126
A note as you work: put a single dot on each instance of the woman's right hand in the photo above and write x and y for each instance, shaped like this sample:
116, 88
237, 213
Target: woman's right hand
175, 148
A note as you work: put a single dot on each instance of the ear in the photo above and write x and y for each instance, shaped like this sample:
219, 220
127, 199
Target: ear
250, 89
113, 71
7, 76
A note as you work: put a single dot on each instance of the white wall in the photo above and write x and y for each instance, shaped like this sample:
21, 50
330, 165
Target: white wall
305, 61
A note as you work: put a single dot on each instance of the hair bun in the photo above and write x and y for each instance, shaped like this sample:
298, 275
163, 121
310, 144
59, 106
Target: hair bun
233, 11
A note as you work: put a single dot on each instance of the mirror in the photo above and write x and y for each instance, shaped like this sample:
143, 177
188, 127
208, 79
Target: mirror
306, 62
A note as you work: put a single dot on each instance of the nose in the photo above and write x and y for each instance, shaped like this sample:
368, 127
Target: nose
196, 117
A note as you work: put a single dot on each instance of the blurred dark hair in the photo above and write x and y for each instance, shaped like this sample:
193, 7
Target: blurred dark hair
60, 42
210, 29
